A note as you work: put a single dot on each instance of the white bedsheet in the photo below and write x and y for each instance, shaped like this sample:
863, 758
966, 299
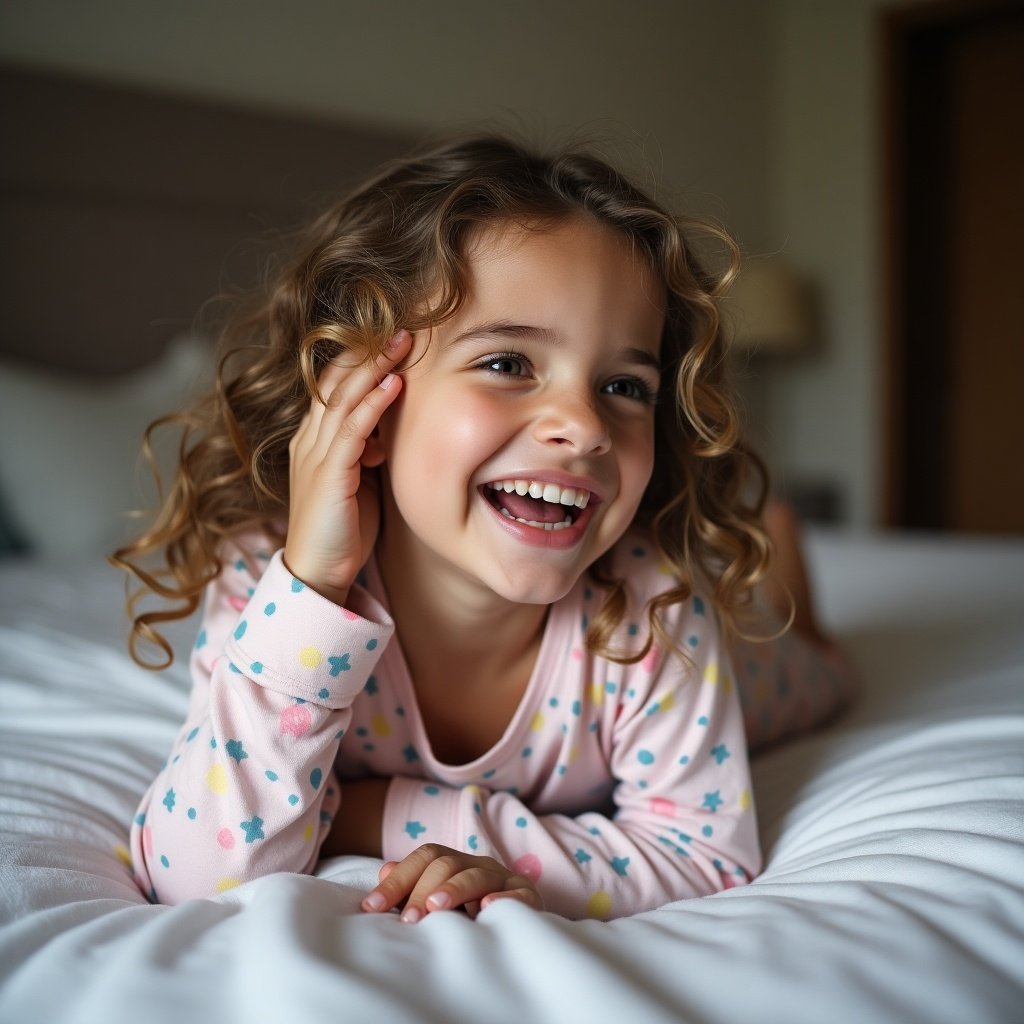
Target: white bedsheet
893, 887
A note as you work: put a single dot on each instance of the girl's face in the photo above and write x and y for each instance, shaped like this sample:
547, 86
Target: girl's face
544, 384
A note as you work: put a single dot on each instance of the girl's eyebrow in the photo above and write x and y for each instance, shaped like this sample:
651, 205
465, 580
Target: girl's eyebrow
508, 329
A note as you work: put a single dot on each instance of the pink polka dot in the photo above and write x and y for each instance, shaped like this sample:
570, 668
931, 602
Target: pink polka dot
728, 881
529, 866
226, 839
296, 720
577, 654
238, 603
659, 805
650, 663
147, 840
351, 616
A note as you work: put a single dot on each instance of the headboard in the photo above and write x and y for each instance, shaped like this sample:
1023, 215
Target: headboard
122, 211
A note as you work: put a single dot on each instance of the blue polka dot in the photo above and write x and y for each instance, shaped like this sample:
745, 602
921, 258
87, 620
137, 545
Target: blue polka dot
240, 629
169, 800
553, 702
201, 639
191, 814
297, 585
431, 790
490, 773
527, 751
703, 720
371, 645
192, 735
240, 565
269, 608
234, 668
520, 823
362, 731
166, 863
271, 775
315, 778
324, 693
140, 820
633, 629
213, 743
293, 799
639, 552
707, 830
684, 759
645, 757
692, 641
698, 606
472, 843
413, 829
577, 707
256, 667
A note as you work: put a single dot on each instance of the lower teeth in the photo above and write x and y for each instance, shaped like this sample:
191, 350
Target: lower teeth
542, 526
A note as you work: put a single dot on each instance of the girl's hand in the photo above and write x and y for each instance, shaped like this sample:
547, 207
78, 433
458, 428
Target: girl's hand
334, 506
434, 877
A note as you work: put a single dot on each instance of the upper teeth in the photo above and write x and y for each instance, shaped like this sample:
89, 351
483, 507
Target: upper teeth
548, 492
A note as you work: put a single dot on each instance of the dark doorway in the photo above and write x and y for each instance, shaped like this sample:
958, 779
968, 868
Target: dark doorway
954, 95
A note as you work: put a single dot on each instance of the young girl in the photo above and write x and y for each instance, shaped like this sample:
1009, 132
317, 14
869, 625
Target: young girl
467, 506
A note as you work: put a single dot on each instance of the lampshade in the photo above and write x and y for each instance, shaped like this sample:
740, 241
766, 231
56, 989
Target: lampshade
768, 309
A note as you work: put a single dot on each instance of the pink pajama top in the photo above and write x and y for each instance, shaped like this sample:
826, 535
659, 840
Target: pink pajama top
616, 788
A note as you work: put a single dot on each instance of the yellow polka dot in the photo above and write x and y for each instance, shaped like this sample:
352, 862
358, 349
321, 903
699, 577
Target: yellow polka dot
380, 726
471, 790
217, 779
597, 693
538, 722
574, 752
310, 657
599, 905
727, 683
745, 800
711, 673
665, 569
667, 703
307, 833
228, 883
123, 855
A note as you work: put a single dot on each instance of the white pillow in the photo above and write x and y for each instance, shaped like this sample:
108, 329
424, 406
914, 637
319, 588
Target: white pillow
71, 463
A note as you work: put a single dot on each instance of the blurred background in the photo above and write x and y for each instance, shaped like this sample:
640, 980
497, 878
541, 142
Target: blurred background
865, 153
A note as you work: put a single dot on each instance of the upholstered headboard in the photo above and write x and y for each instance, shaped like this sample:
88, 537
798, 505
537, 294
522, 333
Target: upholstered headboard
123, 211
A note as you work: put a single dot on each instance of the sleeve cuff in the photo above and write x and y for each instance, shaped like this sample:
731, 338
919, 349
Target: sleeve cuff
292, 640
417, 811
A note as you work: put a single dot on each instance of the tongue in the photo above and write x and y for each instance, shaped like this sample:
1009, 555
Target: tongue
534, 510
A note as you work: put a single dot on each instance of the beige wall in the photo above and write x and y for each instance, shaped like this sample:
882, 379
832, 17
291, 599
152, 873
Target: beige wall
761, 112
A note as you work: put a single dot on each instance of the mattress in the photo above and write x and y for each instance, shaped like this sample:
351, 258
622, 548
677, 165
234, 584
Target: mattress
893, 887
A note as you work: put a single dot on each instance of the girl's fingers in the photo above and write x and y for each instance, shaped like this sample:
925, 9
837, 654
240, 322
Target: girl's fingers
345, 388
527, 895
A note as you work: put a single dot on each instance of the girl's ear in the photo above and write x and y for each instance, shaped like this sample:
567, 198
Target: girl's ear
373, 454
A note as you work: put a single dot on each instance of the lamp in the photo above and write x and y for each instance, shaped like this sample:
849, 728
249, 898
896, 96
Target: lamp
769, 309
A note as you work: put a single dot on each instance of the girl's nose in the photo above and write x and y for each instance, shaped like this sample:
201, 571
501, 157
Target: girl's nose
574, 421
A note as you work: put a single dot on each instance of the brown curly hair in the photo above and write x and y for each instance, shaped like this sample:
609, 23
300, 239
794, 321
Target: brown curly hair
391, 255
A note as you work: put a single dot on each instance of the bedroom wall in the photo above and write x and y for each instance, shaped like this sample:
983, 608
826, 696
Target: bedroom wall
761, 112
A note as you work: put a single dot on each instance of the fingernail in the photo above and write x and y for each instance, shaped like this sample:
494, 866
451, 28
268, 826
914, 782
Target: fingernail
411, 915
387, 382
439, 901
375, 901
395, 341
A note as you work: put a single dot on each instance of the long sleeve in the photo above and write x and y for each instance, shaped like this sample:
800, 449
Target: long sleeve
248, 788
665, 734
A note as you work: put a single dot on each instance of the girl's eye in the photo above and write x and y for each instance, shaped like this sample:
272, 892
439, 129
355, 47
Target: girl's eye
507, 364
632, 387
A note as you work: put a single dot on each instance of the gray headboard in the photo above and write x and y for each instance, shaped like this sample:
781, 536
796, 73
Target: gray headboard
123, 211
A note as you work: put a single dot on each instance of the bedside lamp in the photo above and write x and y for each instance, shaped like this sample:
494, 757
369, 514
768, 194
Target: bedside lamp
769, 310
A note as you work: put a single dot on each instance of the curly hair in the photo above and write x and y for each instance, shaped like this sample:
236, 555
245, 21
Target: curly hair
392, 255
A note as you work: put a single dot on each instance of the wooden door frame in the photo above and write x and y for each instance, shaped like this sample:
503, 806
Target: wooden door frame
915, 151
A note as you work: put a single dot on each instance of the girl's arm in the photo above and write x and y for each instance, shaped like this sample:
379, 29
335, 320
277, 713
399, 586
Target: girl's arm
683, 823
248, 787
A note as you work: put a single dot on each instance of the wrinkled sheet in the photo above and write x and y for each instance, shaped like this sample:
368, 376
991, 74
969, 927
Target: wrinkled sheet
893, 888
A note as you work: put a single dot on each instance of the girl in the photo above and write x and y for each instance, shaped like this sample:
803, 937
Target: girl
467, 506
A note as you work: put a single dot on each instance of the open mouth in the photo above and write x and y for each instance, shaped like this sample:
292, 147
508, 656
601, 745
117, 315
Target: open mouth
544, 506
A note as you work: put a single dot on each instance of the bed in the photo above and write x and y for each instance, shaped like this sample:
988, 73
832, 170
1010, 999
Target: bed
893, 887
